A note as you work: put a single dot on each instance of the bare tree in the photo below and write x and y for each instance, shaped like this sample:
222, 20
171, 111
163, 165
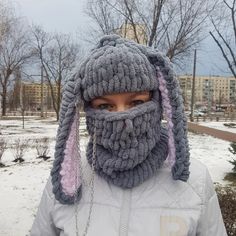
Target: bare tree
58, 56
59, 64
224, 33
14, 53
103, 14
39, 43
175, 27
7, 18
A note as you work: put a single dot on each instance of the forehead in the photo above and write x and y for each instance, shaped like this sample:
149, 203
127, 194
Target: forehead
123, 96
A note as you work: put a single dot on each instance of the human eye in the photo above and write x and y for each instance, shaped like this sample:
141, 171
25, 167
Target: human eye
137, 102
104, 106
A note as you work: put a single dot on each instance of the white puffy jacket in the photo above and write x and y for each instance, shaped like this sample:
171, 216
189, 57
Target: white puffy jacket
160, 206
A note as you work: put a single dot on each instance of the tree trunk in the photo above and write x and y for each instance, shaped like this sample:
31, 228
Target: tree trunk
156, 16
4, 90
59, 95
4, 100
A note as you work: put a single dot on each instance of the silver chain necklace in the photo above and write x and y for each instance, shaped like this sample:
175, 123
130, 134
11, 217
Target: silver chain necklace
81, 176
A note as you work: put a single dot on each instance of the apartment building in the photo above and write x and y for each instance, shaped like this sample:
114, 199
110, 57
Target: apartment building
127, 31
32, 95
215, 90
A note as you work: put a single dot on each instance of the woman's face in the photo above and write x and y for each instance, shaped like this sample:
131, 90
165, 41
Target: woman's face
120, 101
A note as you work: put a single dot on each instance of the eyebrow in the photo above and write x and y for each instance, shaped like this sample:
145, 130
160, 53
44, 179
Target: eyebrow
102, 98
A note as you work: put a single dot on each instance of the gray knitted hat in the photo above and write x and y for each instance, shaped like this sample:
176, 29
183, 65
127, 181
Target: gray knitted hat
118, 65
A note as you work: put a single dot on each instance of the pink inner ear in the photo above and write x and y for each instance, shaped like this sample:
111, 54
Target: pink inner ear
70, 179
168, 112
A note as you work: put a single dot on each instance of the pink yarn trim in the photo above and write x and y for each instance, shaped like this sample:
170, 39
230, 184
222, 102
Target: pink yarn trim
70, 179
168, 112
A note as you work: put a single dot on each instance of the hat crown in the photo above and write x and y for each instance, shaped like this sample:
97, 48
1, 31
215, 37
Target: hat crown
116, 66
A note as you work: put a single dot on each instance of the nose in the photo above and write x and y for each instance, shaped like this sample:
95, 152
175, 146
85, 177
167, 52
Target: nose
121, 107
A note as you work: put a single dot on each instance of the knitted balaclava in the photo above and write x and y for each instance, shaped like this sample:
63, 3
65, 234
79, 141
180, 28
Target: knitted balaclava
127, 147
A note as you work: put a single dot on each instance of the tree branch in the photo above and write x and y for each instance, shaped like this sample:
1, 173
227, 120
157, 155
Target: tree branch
224, 54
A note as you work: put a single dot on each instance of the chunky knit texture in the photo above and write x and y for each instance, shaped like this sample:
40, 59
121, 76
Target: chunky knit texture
131, 145
118, 65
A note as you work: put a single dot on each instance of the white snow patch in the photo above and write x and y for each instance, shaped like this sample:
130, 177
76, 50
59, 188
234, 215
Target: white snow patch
213, 153
22, 184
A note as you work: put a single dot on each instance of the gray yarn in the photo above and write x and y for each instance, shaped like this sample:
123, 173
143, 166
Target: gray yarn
67, 113
118, 65
180, 170
131, 145
116, 69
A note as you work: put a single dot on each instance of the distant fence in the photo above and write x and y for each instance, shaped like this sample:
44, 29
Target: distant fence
220, 117
214, 118
32, 113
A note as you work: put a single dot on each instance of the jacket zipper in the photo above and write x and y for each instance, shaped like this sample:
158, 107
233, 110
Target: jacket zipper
125, 213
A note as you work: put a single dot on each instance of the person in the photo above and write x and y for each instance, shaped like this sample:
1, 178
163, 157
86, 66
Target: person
135, 178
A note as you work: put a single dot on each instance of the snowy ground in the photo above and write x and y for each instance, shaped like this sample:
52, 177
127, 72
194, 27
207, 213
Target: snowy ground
22, 184
218, 125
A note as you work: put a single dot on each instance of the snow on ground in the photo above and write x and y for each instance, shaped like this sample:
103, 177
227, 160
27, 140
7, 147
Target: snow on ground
213, 153
33, 127
21, 188
22, 184
218, 125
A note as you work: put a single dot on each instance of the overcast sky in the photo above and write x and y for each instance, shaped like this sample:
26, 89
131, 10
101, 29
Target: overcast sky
54, 15
67, 16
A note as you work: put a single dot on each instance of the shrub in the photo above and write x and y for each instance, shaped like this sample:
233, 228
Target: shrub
3, 147
227, 201
230, 125
42, 147
20, 147
232, 149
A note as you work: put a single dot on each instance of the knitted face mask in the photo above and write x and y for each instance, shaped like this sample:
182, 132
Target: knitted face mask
132, 145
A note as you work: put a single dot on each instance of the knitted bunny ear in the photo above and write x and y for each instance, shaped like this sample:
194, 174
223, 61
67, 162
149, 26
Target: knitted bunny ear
172, 105
65, 172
